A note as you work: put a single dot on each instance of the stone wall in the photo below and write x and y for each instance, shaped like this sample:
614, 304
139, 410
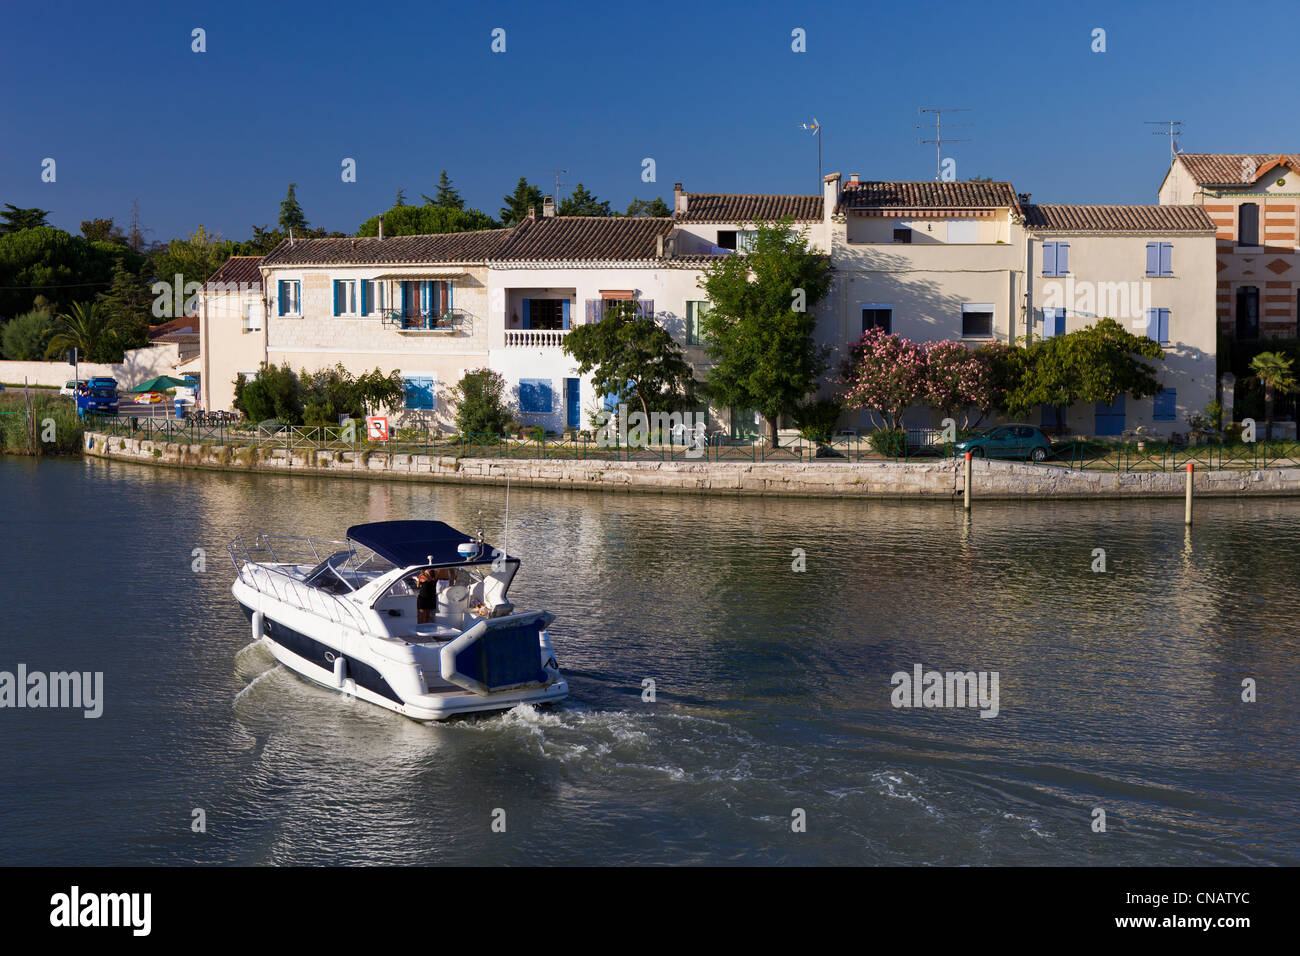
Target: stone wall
936, 480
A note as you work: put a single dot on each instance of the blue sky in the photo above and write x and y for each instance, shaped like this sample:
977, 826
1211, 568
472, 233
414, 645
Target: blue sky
712, 92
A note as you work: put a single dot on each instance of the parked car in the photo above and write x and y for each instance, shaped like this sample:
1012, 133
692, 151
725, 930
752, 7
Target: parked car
70, 387
1024, 442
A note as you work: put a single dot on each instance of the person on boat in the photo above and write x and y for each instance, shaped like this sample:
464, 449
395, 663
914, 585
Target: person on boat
432, 582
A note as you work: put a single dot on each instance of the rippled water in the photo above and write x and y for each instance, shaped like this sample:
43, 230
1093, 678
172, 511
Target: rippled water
1119, 691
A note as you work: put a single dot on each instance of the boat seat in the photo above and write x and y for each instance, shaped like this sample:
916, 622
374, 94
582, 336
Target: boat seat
426, 633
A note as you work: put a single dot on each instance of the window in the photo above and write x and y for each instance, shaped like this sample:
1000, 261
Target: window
1160, 258
374, 296
345, 297
977, 320
903, 234
1248, 224
963, 231
290, 297
1056, 258
1165, 406
545, 313
253, 317
695, 311
1248, 312
877, 315
745, 240
420, 391
1158, 325
1053, 322
536, 396
727, 238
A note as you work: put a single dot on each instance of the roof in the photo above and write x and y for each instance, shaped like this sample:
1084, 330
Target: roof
585, 238
1224, 169
1074, 218
182, 323
477, 246
749, 207
242, 270
926, 195
408, 543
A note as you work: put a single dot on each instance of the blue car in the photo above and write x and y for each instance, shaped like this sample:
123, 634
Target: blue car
1023, 442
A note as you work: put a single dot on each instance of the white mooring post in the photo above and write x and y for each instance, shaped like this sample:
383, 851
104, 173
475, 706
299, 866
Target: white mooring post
966, 496
1187, 512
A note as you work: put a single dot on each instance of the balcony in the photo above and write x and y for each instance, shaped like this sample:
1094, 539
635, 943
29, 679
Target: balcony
422, 322
535, 338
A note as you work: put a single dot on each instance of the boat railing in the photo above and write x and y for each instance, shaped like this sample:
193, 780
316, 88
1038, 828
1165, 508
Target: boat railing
286, 588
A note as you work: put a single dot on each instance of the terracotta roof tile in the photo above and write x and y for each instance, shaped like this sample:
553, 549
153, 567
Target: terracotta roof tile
925, 195
239, 269
1066, 218
757, 207
584, 239
1224, 169
478, 246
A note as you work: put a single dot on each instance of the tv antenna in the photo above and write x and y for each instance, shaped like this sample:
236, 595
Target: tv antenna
558, 184
939, 140
1175, 130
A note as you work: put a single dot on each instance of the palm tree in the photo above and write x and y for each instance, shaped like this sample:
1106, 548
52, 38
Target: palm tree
84, 327
1273, 371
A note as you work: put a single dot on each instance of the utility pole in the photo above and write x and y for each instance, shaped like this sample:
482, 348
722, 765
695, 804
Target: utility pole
939, 140
816, 130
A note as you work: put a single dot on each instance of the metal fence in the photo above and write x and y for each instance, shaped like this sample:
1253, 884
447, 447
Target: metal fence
921, 445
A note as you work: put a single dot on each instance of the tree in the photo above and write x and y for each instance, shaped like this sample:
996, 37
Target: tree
401, 197
580, 202
1273, 371
25, 337
90, 330
1093, 364
291, 214
760, 323
102, 230
193, 258
649, 207
129, 304
48, 262
427, 220
13, 219
956, 379
632, 356
884, 374
517, 204
135, 236
481, 408
275, 393
446, 196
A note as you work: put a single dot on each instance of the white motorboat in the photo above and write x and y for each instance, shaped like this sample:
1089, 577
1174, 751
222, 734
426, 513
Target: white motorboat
345, 614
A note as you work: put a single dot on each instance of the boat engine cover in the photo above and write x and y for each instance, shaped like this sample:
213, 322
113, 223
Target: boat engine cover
498, 654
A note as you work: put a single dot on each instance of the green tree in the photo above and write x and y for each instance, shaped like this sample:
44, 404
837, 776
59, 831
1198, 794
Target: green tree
648, 207
401, 197
102, 230
89, 329
1093, 364
581, 202
193, 258
517, 204
291, 214
13, 219
275, 393
427, 221
763, 349
633, 357
1272, 371
446, 195
481, 407
129, 304
48, 262
25, 337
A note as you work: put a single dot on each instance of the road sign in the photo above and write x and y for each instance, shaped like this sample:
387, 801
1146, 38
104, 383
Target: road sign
377, 427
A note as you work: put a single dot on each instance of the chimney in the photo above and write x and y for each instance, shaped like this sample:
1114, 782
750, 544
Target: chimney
679, 200
532, 212
853, 177
548, 208
381, 227
659, 246
1023, 197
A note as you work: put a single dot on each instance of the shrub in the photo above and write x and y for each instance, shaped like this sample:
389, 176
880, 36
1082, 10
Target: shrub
26, 336
816, 420
890, 442
480, 403
274, 393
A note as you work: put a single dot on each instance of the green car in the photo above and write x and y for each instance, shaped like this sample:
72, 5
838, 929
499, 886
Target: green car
1024, 442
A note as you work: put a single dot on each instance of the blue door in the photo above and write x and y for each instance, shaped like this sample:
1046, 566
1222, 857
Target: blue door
572, 391
1110, 418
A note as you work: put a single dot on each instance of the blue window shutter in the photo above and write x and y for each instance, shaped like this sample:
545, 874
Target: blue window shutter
1163, 326
566, 313
1049, 258
648, 308
1062, 258
450, 285
1165, 405
1153, 324
1166, 258
1058, 322
337, 283
527, 315
404, 309
282, 284
591, 311
1153, 258
547, 395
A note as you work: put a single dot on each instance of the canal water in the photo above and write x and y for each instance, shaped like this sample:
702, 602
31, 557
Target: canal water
772, 736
